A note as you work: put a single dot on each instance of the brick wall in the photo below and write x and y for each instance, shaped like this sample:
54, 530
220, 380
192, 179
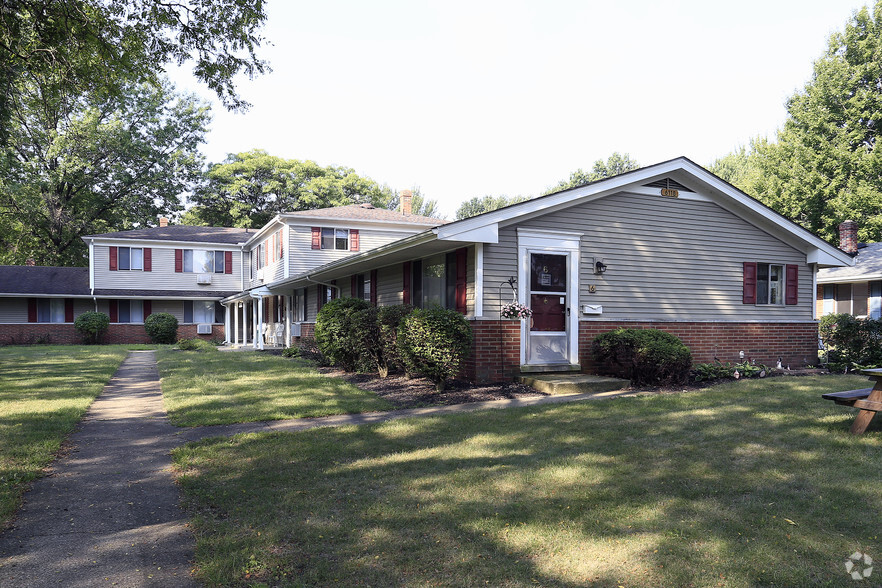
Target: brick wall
496, 351
795, 343
64, 333
306, 330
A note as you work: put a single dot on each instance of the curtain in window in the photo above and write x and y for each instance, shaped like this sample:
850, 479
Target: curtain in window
875, 301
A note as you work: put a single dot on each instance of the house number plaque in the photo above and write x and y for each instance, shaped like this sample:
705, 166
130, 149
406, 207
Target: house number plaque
670, 192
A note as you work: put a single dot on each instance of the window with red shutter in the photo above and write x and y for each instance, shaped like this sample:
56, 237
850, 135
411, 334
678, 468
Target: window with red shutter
179, 260
316, 237
749, 286
353, 240
228, 262
353, 286
68, 310
114, 311
374, 287
148, 308
32, 310
405, 277
148, 259
461, 282
791, 285
113, 259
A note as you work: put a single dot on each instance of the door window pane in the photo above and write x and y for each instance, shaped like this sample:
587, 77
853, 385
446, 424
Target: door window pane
548, 272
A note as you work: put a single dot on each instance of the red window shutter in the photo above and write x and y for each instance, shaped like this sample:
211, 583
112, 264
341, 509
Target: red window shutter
405, 290
749, 295
791, 288
353, 239
374, 287
228, 262
461, 273
148, 259
32, 310
334, 290
68, 310
148, 308
114, 311
266, 256
353, 286
179, 260
320, 291
316, 238
113, 259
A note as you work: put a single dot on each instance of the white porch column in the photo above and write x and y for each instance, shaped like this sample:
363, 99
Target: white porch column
235, 311
260, 322
227, 324
244, 306
288, 310
255, 334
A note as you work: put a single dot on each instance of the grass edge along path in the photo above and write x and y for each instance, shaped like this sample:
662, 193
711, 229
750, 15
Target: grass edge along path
201, 388
44, 392
741, 484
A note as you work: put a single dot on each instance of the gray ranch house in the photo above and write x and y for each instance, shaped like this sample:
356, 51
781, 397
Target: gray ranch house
669, 246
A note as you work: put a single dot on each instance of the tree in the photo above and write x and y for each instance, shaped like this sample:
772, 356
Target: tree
248, 189
77, 47
614, 165
478, 205
95, 164
825, 166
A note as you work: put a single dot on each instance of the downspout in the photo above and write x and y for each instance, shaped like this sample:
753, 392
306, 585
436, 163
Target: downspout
92, 273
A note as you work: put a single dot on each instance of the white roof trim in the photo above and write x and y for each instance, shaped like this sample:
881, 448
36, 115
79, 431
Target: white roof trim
166, 244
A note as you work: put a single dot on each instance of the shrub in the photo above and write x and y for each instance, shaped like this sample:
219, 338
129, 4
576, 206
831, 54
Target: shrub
377, 332
335, 331
161, 327
91, 326
291, 352
196, 344
307, 348
645, 356
707, 372
433, 343
851, 342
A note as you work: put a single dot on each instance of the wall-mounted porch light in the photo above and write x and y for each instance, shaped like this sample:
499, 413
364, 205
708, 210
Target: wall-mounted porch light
599, 266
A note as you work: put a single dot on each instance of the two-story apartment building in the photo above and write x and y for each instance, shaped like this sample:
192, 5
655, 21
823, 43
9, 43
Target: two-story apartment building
669, 246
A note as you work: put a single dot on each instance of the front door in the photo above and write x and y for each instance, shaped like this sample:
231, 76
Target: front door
548, 330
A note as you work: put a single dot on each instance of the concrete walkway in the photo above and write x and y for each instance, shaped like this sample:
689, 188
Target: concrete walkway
108, 513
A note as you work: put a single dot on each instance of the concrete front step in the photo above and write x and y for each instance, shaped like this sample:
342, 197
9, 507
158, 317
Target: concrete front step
562, 383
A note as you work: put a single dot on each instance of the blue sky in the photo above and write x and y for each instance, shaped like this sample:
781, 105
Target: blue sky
465, 99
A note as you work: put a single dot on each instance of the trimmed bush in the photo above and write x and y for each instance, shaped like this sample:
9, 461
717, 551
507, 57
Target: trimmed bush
336, 331
196, 344
161, 327
91, 326
645, 356
377, 332
433, 342
851, 343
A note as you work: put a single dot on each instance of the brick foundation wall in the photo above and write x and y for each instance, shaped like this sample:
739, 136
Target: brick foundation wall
65, 333
496, 352
306, 330
795, 343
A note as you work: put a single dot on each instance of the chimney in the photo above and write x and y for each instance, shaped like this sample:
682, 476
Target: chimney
848, 236
406, 201
163, 221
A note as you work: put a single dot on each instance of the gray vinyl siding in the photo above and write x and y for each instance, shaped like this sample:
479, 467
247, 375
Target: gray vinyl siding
311, 300
13, 310
390, 285
303, 257
667, 259
163, 275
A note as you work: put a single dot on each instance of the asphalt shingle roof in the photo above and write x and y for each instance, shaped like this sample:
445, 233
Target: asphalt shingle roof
24, 279
184, 233
867, 263
362, 212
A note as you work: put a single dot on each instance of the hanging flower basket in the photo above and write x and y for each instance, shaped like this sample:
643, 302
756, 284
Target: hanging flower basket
516, 310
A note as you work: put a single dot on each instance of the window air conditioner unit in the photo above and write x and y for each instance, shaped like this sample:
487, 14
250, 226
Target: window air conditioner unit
203, 279
260, 274
295, 329
203, 329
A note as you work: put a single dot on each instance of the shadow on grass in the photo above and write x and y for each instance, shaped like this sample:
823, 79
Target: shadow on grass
735, 485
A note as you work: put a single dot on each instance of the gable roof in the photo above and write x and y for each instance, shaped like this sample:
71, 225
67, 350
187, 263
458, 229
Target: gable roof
867, 266
20, 280
228, 235
365, 212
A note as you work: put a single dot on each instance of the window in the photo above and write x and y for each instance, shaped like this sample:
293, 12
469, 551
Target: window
130, 311
439, 280
261, 256
200, 261
830, 299
130, 258
299, 305
203, 311
363, 287
874, 310
50, 310
335, 239
770, 283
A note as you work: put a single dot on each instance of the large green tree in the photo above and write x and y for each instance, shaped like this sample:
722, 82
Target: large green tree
614, 165
102, 162
825, 165
249, 188
480, 205
75, 47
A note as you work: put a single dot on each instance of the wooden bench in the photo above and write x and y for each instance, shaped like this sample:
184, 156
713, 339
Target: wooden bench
868, 400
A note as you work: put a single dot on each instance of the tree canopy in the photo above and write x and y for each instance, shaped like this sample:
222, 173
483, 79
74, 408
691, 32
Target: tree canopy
248, 189
75, 47
825, 166
614, 165
480, 205
94, 164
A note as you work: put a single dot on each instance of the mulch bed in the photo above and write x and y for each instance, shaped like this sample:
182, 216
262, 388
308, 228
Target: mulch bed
403, 392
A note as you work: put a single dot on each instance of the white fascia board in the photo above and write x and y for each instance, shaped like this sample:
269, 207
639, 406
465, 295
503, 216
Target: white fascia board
823, 258
337, 222
166, 244
484, 234
30, 295
263, 230
849, 279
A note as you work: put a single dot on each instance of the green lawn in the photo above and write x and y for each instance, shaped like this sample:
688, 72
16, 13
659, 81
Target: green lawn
751, 483
219, 388
44, 391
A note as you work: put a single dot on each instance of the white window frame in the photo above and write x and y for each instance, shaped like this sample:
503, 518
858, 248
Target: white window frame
334, 238
131, 259
782, 281
55, 310
189, 261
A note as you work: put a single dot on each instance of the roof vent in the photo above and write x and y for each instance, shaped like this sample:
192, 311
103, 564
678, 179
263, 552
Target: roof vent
667, 184
367, 205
